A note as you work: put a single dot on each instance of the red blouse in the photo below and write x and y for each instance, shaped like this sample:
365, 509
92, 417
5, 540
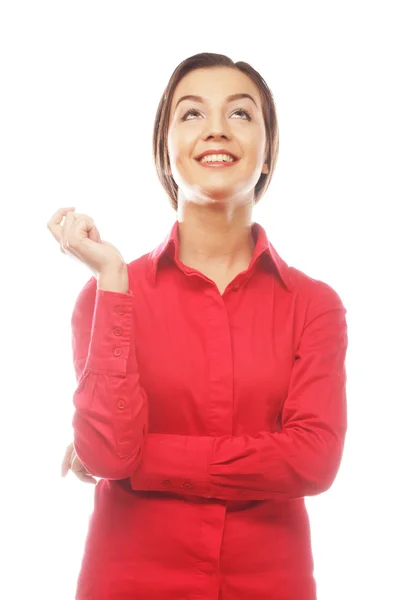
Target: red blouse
208, 418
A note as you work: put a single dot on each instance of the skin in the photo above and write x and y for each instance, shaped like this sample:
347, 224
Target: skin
214, 205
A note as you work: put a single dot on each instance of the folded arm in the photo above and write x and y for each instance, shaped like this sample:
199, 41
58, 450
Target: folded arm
300, 460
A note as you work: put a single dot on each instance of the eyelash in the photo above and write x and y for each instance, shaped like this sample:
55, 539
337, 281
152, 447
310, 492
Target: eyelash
193, 111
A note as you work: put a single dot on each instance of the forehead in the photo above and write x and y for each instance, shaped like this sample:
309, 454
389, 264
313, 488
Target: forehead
214, 84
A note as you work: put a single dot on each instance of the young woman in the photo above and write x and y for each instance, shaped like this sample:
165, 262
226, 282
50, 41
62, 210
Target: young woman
211, 392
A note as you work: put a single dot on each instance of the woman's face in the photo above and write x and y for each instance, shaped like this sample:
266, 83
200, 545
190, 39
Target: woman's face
215, 122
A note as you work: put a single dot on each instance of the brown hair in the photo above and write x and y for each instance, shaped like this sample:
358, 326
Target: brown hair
160, 131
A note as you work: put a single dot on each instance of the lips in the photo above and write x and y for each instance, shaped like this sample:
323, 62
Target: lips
217, 165
216, 151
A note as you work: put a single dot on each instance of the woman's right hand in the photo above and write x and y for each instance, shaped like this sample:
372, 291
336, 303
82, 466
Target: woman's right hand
72, 462
79, 237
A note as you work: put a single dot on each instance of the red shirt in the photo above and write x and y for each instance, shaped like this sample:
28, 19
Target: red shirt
208, 417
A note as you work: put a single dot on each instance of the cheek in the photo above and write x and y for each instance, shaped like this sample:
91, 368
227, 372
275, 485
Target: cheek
176, 147
178, 158
180, 154
183, 139
179, 161
256, 153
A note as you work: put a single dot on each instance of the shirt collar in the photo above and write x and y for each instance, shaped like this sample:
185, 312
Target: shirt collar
263, 249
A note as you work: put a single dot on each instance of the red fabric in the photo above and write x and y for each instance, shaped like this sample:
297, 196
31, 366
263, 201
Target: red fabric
208, 417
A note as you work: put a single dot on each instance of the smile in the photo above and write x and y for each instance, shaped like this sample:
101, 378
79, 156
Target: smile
217, 163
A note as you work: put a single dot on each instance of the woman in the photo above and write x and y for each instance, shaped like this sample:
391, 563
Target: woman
211, 375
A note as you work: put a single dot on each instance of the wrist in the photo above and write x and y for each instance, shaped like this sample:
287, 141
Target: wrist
114, 280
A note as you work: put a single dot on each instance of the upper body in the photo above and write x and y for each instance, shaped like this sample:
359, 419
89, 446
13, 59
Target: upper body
209, 417
211, 376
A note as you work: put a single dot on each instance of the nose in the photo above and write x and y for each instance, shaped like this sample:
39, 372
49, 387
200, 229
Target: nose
216, 135
216, 128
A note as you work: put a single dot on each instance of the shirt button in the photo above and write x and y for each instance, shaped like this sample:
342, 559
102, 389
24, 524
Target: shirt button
118, 331
121, 404
120, 310
236, 286
187, 485
117, 352
166, 483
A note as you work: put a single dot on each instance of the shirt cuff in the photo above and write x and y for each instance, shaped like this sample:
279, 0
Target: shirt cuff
175, 463
111, 332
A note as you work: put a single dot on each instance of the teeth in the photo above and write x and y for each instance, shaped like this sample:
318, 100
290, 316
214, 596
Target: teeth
217, 158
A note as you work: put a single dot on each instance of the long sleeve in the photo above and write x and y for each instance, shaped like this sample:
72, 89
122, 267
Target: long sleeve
302, 459
111, 415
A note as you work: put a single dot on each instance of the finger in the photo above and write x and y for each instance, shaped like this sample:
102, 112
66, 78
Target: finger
94, 235
66, 462
77, 467
67, 232
86, 477
54, 224
77, 230
80, 471
83, 227
75, 462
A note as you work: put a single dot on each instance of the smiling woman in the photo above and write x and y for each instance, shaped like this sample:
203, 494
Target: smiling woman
211, 395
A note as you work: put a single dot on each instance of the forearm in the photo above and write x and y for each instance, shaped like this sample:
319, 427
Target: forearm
269, 466
110, 420
109, 423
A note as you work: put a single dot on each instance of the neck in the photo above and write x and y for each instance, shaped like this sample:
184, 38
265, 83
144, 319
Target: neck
213, 237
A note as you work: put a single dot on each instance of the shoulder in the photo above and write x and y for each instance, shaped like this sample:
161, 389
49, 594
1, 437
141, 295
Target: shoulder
314, 294
139, 265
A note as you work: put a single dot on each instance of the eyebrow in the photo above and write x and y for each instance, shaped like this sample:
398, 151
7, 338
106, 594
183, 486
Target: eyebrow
230, 98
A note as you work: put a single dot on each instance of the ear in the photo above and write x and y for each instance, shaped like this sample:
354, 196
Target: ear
265, 168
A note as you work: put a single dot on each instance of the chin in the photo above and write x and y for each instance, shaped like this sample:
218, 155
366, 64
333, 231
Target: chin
214, 194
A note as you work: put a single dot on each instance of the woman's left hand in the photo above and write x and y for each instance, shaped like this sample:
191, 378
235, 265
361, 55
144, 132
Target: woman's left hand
72, 462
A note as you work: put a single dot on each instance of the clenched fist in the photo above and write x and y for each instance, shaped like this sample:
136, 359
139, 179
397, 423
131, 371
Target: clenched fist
79, 237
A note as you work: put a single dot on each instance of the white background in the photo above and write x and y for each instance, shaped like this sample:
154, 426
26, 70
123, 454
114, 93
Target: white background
80, 85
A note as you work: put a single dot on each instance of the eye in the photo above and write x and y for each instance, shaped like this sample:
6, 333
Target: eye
241, 110
193, 111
